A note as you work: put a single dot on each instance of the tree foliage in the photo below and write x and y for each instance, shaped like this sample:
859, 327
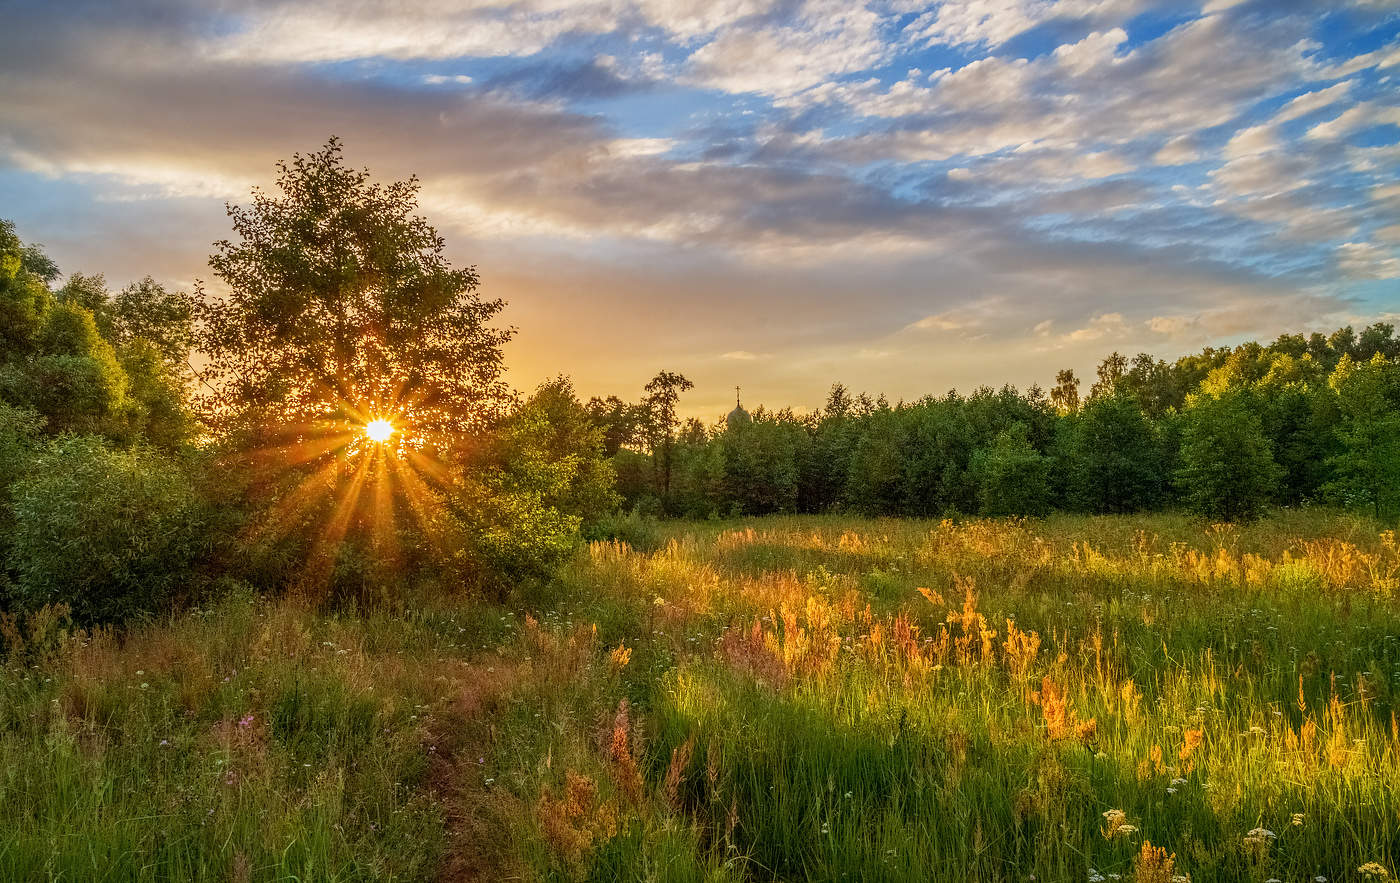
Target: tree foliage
1227, 469
341, 302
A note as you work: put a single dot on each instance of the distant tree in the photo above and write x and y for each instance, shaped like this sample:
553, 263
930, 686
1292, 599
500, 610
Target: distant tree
1227, 470
1064, 395
1377, 340
72, 377
663, 393
24, 298
1012, 477
937, 438
877, 481
620, 422
1110, 374
1114, 461
146, 311
1153, 383
824, 463
760, 463
561, 434
1368, 466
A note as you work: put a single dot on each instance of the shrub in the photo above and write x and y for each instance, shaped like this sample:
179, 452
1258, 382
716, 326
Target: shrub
112, 534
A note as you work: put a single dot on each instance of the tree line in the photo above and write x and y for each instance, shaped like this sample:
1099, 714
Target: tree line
1224, 432
158, 447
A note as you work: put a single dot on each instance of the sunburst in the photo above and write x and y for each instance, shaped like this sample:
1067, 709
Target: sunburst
359, 471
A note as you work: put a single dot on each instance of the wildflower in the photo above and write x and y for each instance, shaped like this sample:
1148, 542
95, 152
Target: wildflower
1258, 839
164, 743
1373, 871
1171, 791
848, 795
1095, 876
1117, 823
1176, 783
245, 722
1319, 879
1297, 820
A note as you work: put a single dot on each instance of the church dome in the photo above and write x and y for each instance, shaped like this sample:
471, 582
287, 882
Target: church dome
738, 416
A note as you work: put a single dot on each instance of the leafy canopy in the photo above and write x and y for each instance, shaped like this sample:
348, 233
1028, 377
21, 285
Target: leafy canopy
341, 304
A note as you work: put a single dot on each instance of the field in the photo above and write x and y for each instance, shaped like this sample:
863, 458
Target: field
815, 698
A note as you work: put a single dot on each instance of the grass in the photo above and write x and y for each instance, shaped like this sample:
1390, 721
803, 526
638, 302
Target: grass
807, 698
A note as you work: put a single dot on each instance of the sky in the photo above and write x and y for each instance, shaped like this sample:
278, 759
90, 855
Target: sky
778, 194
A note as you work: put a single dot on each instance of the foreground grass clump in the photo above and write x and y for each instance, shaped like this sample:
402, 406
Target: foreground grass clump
788, 698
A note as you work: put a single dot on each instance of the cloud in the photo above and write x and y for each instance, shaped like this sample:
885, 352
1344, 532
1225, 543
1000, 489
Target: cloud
744, 356
1354, 119
1177, 151
1309, 102
1366, 260
639, 178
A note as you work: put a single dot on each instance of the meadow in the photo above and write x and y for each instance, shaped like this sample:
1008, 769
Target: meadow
1075, 698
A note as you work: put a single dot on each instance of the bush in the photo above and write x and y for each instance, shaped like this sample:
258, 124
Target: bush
112, 534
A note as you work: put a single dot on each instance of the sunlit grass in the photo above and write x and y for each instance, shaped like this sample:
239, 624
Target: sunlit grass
788, 698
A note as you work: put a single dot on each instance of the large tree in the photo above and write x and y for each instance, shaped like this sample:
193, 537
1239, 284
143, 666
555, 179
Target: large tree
341, 305
342, 310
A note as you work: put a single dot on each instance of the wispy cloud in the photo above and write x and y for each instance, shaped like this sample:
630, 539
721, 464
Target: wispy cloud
876, 188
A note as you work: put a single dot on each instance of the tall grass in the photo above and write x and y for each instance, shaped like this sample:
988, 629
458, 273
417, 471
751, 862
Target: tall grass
820, 698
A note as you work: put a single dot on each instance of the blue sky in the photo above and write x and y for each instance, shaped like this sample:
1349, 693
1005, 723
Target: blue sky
775, 193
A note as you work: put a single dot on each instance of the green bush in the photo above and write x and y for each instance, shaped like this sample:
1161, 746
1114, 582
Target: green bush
113, 534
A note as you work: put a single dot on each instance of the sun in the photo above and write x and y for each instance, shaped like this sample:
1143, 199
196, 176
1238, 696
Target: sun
379, 430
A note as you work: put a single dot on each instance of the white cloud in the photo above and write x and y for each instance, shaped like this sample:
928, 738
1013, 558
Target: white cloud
1366, 260
1177, 151
1354, 118
1099, 327
1312, 101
